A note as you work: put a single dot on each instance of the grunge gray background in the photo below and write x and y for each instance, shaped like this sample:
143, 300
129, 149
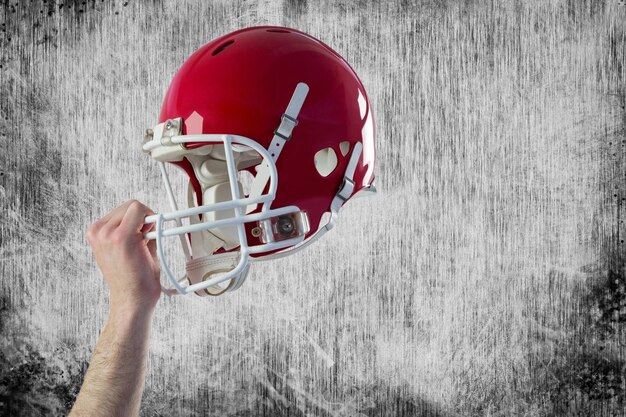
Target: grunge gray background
486, 278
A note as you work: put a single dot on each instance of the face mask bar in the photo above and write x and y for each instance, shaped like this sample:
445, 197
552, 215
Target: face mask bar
237, 204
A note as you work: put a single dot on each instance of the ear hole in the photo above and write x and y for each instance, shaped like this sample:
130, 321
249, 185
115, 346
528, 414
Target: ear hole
222, 47
325, 161
344, 147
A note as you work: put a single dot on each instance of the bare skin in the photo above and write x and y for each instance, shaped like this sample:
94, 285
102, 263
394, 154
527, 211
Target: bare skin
114, 382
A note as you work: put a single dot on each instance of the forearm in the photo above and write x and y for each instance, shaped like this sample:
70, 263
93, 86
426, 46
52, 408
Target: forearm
114, 381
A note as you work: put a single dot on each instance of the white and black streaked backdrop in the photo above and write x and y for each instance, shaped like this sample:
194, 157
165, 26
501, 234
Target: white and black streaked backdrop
485, 278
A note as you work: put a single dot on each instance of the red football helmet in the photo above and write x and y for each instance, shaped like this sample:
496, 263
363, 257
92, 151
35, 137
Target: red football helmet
286, 108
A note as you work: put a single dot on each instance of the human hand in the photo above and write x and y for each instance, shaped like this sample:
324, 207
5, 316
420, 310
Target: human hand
127, 260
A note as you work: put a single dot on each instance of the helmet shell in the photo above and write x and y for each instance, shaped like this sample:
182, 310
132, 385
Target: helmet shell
241, 84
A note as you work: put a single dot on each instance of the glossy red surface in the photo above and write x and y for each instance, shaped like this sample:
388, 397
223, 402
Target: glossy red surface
241, 84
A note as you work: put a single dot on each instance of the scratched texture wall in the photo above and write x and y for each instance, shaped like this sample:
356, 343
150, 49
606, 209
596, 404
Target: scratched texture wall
486, 278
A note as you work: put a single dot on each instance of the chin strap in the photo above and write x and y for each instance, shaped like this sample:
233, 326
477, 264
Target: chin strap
343, 194
282, 135
206, 267
347, 185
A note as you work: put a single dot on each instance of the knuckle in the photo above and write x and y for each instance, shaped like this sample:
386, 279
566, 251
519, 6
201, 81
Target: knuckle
135, 205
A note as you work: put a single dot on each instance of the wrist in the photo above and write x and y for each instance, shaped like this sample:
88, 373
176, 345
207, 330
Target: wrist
128, 316
133, 302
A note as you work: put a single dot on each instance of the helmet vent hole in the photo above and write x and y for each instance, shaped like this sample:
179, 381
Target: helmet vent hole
325, 161
344, 147
278, 30
222, 47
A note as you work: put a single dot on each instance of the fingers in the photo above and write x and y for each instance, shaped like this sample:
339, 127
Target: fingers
148, 227
128, 219
133, 219
106, 223
114, 217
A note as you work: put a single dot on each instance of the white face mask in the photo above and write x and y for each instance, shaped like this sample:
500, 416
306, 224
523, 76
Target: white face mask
225, 209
